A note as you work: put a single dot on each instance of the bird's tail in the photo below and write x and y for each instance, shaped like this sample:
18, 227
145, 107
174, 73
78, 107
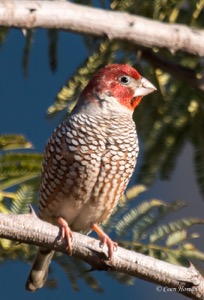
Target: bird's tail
39, 270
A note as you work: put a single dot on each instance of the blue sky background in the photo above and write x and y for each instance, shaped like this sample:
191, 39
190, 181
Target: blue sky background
23, 106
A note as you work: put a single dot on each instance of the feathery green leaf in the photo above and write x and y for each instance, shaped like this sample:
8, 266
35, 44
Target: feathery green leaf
165, 230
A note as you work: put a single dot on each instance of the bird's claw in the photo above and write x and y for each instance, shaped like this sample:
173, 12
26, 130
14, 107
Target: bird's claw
112, 246
66, 233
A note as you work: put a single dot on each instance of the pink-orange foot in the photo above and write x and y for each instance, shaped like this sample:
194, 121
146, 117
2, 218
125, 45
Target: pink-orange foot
105, 240
66, 233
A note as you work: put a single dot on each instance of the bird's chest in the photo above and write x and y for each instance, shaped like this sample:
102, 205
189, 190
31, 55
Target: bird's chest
102, 168
116, 167
104, 180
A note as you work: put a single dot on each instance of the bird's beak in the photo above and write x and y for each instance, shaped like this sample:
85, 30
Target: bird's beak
144, 88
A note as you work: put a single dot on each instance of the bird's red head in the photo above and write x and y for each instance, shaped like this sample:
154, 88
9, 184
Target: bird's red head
119, 86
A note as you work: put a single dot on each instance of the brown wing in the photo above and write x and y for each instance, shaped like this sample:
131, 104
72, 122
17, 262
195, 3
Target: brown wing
70, 168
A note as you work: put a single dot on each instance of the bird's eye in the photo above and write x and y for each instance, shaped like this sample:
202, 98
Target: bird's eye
124, 80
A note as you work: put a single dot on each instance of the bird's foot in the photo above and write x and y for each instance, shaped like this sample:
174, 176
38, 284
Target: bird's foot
66, 233
112, 246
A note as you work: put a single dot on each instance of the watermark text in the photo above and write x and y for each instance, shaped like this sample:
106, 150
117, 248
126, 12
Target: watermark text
166, 289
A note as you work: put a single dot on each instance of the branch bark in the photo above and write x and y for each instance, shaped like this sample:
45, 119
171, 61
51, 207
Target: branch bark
29, 229
98, 22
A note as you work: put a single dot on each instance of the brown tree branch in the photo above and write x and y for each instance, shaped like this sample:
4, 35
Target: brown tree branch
29, 229
98, 22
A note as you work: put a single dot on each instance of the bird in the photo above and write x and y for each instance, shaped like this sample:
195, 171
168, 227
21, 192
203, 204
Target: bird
89, 160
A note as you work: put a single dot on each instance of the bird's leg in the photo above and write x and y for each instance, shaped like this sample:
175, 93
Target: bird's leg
105, 239
65, 233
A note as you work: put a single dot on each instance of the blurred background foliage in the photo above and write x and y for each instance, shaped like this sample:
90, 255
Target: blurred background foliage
174, 115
